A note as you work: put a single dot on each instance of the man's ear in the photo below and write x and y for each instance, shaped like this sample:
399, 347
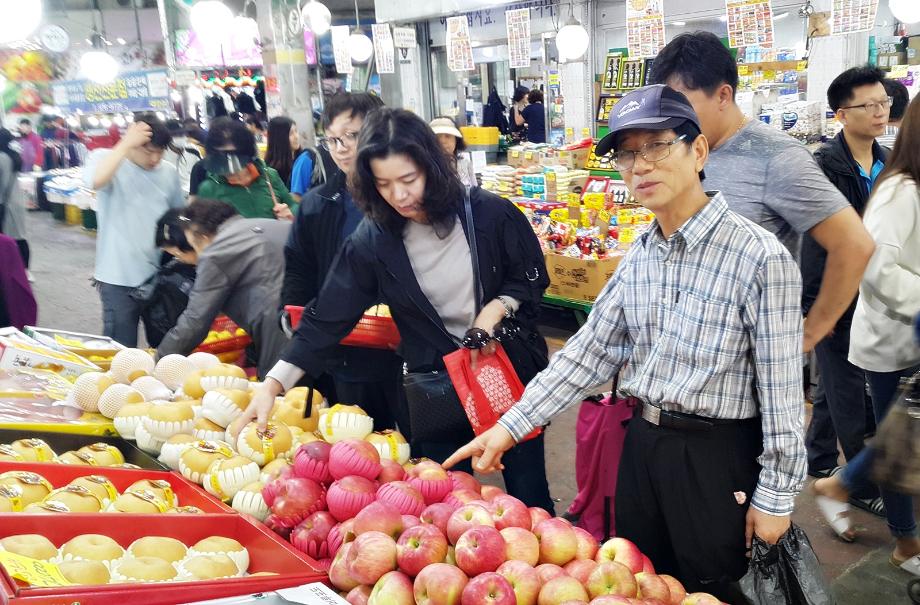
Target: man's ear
726, 96
700, 147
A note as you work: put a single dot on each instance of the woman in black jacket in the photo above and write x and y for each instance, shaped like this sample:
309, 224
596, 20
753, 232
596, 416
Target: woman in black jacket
411, 251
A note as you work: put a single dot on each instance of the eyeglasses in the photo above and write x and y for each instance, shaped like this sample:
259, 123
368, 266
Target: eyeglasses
343, 142
654, 151
873, 107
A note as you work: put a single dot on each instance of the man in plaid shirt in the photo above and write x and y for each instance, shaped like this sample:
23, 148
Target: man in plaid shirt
702, 323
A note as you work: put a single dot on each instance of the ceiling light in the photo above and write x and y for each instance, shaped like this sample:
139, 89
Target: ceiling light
211, 18
723, 18
316, 17
121, 41
92, 121
73, 122
105, 122
360, 46
19, 23
572, 39
119, 121
679, 23
98, 66
905, 11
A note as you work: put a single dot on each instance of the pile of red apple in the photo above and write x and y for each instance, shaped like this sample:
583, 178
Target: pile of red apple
391, 535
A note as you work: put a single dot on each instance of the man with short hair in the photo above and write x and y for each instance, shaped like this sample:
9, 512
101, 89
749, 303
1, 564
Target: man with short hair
767, 176
702, 323
134, 188
900, 98
33, 151
851, 161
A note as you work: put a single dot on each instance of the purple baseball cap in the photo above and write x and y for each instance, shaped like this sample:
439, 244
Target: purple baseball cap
656, 107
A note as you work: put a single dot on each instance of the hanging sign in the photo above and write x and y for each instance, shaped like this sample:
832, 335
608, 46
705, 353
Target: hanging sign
849, 16
750, 22
133, 91
340, 35
517, 24
644, 27
383, 48
404, 37
459, 48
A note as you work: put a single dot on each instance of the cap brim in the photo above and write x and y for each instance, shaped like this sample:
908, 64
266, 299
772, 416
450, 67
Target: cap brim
448, 130
607, 144
222, 164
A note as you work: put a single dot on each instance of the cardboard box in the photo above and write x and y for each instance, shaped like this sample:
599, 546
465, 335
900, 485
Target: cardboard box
574, 159
19, 351
578, 279
913, 50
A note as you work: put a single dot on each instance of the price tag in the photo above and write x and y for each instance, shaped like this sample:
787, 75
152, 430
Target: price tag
550, 177
32, 571
595, 202
604, 216
769, 75
627, 235
573, 201
586, 220
624, 217
559, 214
801, 66
898, 71
744, 70
528, 155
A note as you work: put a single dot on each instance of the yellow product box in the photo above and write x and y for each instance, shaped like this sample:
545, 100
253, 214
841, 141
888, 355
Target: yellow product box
480, 135
578, 279
19, 351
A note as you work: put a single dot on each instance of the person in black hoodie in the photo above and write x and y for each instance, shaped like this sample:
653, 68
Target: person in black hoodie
852, 161
327, 216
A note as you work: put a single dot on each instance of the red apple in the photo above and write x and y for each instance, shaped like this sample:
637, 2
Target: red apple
700, 598
489, 492
612, 599
390, 470
523, 579
312, 462
340, 534
403, 496
548, 571
438, 514
575, 602
310, 536
480, 549
379, 516
358, 595
466, 517
647, 566
419, 547
393, 588
521, 545
371, 555
652, 587
587, 545
610, 577
439, 584
293, 499
354, 457
675, 588
562, 589
462, 480
410, 521
459, 497
508, 511
430, 478
538, 514
348, 496
622, 551
580, 569
488, 589
558, 543
339, 576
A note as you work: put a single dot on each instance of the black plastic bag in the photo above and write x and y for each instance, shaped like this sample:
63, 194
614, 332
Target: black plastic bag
787, 573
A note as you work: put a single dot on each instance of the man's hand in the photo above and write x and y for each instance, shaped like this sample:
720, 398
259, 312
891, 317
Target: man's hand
486, 450
283, 212
814, 334
769, 528
259, 407
137, 135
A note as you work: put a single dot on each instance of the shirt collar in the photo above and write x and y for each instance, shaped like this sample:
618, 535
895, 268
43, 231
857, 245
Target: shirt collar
697, 227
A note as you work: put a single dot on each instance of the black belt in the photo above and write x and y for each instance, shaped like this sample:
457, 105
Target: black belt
683, 422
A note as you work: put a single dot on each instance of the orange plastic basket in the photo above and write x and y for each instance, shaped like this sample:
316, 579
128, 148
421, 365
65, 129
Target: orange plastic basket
372, 331
237, 343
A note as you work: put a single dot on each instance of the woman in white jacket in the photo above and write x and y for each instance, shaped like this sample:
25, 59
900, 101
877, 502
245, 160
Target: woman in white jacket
882, 337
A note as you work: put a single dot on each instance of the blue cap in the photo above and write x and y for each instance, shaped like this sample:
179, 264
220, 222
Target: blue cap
656, 107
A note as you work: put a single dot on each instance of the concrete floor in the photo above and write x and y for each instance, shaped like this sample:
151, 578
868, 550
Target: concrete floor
63, 263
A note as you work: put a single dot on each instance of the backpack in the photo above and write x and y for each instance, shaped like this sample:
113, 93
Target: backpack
163, 299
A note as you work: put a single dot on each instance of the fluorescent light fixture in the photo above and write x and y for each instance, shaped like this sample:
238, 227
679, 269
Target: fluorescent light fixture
679, 23
781, 16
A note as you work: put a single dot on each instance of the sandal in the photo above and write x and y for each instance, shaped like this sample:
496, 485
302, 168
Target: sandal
876, 506
837, 515
911, 565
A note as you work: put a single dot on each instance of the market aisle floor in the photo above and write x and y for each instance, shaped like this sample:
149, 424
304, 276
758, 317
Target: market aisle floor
62, 266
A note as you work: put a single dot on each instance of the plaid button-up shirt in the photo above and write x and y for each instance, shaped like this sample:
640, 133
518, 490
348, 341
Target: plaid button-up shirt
706, 322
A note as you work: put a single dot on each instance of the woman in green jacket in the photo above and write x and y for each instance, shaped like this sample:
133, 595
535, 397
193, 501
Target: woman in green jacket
237, 176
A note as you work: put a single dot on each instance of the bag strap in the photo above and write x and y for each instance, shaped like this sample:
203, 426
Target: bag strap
268, 181
474, 250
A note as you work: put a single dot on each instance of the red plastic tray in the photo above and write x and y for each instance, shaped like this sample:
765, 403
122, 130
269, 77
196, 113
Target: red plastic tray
60, 475
371, 331
237, 343
267, 552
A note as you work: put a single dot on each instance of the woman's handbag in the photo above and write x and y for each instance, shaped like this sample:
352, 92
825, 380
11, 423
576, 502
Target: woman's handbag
896, 463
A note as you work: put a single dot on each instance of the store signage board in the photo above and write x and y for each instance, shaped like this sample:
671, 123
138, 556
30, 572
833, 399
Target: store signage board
517, 23
404, 37
644, 27
340, 35
459, 48
383, 48
750, 22
849, 16
133, 91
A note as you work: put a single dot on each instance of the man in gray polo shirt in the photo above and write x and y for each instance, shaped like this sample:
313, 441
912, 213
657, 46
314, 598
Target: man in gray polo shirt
767, 176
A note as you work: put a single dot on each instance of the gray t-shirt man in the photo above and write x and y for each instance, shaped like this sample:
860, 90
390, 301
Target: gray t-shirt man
770, 178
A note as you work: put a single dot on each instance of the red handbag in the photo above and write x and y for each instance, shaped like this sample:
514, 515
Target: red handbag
488, 391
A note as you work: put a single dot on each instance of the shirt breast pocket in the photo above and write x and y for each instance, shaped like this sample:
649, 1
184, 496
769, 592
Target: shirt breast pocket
706, 330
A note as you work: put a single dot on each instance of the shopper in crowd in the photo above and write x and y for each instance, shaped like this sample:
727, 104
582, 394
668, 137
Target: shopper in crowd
12, 206
768, 176
17, 303
134, 187
899, 100
283, 147
852, 161
882, 341
237, 176
702, 323
255, 126
238, 274
310, 170
534, 116
412, 250
31, 147
451, 140
181, 153
518, 103
195, 131
165, 297
327, 217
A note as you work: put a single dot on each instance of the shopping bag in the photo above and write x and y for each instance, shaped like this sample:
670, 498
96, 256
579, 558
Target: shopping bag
896, 463
488, 391
599, 435
787, 573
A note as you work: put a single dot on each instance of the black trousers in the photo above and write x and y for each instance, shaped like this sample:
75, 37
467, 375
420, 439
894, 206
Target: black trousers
676, 500
380, 399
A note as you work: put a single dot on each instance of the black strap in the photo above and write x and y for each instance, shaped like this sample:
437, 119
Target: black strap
474, 251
